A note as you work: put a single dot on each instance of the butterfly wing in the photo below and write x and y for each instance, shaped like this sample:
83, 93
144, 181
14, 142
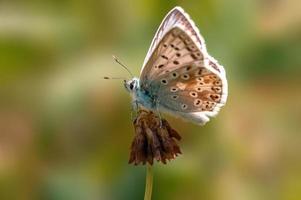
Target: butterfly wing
175, 18
192, 92
180, 74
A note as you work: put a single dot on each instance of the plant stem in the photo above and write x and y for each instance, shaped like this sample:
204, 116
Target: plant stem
148, 183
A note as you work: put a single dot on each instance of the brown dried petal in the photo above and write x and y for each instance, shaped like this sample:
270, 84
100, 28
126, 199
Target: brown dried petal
152, 140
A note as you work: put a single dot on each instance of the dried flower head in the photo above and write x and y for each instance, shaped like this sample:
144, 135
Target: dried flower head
154, 139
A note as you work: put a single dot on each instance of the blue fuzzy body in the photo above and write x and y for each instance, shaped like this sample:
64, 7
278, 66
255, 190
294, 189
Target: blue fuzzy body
144, 98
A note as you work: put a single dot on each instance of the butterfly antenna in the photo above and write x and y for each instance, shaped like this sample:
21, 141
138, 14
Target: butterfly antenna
122, 65
117, 78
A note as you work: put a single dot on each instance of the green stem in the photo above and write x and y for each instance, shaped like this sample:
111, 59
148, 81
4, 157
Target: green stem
148, 183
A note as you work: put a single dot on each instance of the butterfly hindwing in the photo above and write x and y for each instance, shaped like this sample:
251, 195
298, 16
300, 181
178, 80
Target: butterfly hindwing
194, 89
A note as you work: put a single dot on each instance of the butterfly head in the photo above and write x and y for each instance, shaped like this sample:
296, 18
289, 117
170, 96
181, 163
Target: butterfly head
131, 85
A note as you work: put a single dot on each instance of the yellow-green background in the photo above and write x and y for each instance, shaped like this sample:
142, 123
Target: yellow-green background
65, 133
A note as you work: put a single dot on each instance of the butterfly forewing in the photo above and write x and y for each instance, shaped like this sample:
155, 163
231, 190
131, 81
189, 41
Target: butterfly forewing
174, 51
175, 18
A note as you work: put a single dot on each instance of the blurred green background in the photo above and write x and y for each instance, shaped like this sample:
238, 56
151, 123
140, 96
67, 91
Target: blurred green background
65, 132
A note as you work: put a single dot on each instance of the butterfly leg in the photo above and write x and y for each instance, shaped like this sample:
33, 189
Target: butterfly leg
134, 110
158, 112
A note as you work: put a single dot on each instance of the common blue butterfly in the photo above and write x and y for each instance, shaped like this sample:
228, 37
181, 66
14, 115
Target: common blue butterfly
178, 76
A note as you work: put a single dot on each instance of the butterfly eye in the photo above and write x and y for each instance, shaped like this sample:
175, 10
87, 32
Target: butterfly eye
131, 86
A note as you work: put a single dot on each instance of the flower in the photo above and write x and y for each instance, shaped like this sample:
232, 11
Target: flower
154, 139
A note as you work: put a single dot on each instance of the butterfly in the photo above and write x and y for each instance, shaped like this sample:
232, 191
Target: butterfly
178, 76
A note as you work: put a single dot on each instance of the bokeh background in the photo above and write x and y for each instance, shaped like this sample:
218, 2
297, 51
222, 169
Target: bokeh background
65, 132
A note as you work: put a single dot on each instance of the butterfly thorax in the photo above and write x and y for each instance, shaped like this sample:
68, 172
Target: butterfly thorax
146, 99
140, 96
